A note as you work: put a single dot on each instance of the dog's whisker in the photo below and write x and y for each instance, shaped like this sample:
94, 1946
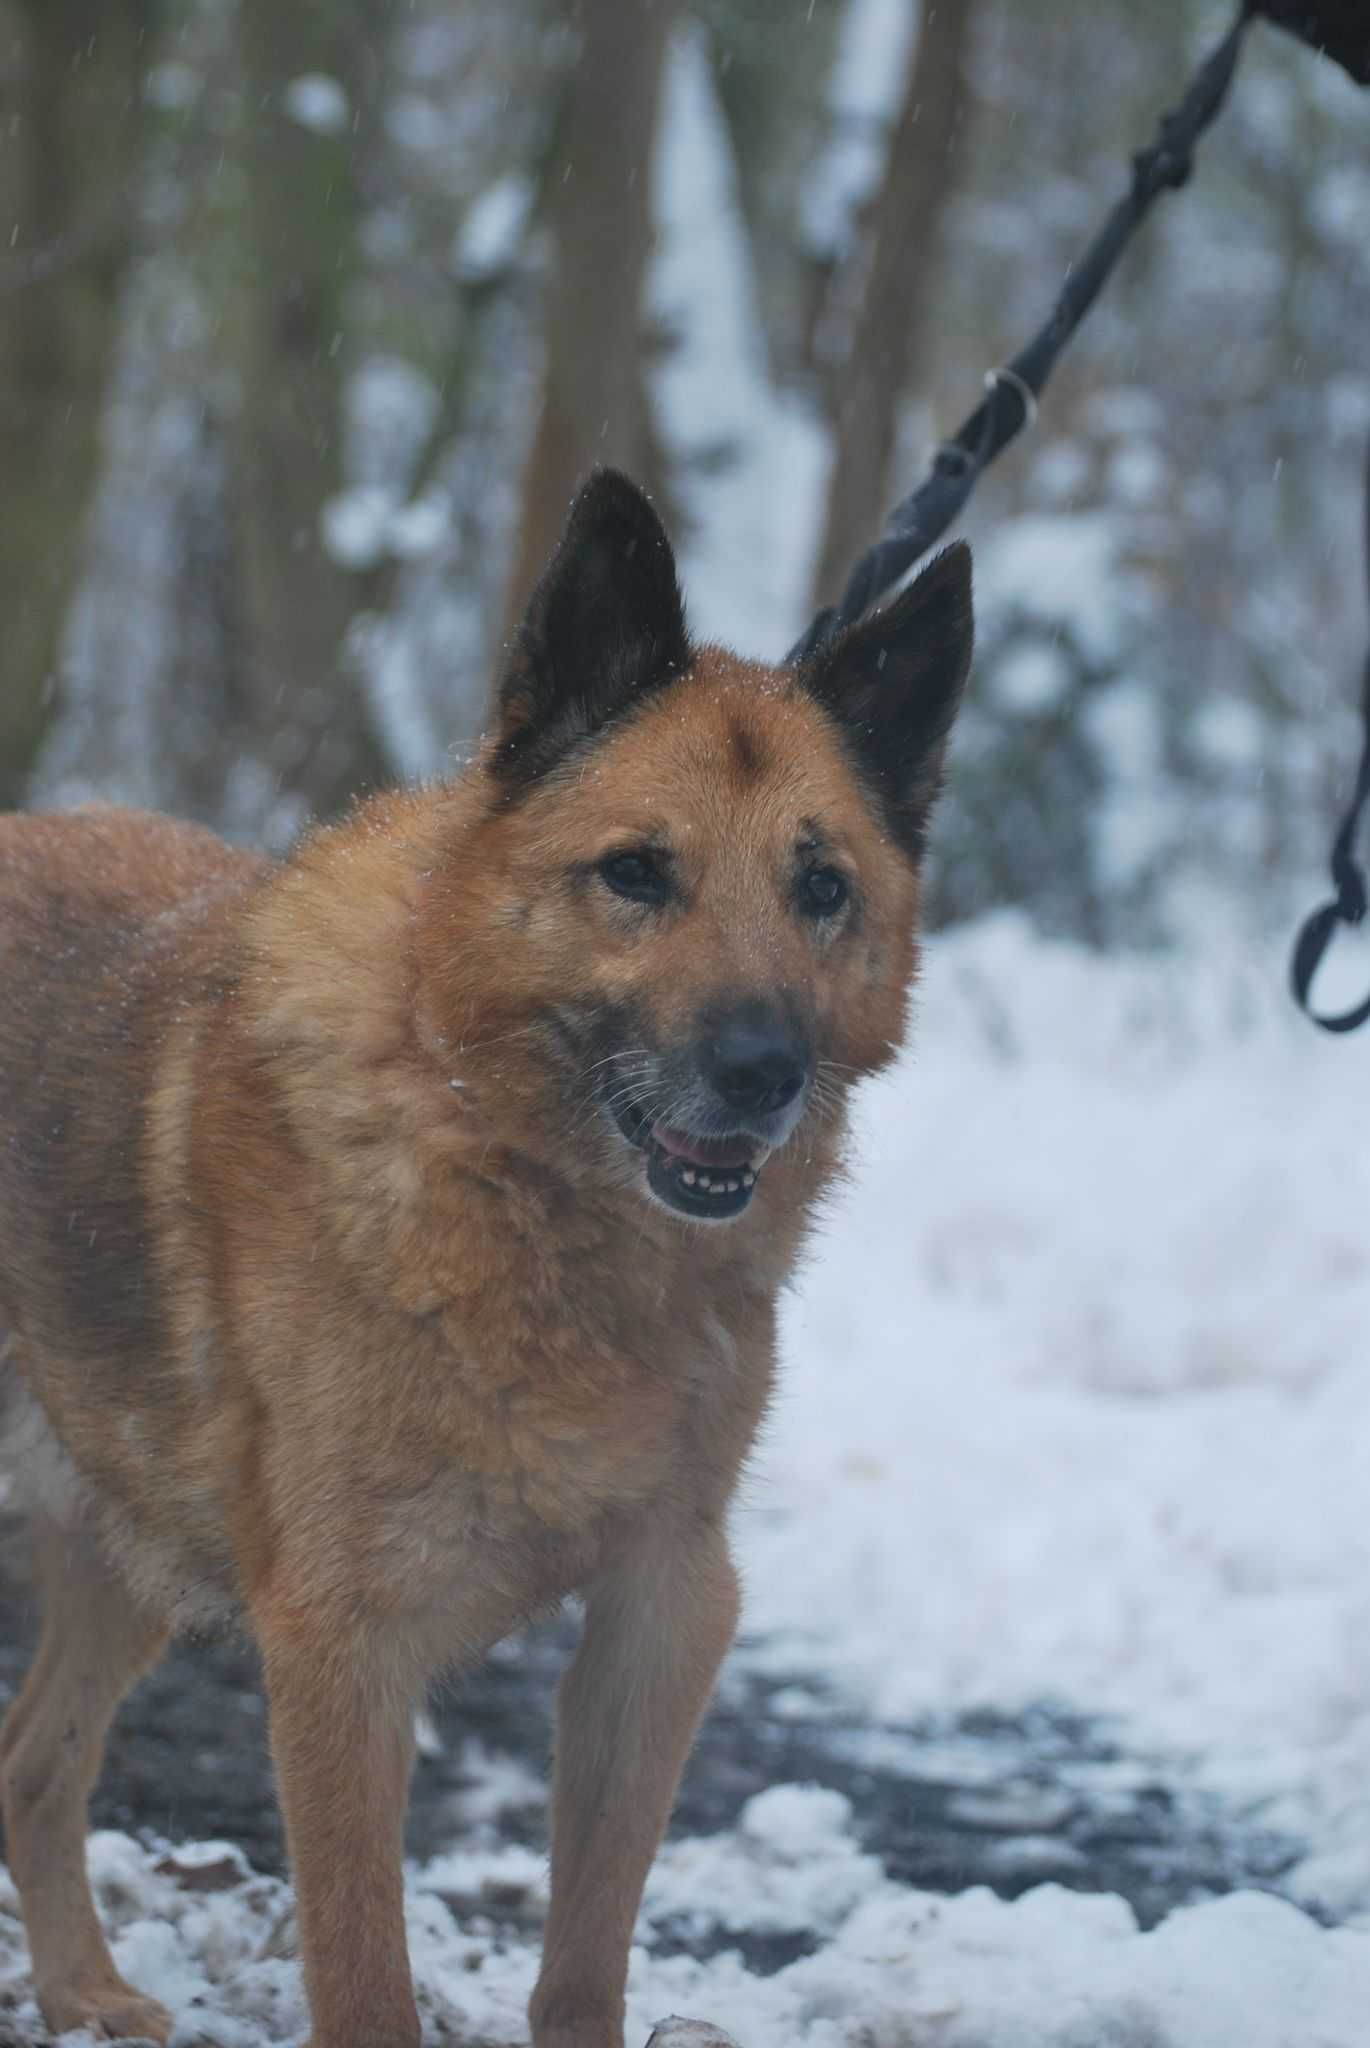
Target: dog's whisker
631, 1095
501, 1038
638, 1052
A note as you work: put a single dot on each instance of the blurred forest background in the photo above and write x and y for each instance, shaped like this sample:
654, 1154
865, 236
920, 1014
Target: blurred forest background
313, 311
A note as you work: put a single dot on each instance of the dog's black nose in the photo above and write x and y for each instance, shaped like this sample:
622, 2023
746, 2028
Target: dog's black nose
757, 1066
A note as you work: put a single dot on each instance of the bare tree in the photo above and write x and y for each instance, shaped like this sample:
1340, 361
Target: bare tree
891, 325
772, 65
304, 79
70, 130
594, 404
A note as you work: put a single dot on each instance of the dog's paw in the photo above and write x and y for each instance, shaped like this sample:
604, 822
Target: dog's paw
110, 2012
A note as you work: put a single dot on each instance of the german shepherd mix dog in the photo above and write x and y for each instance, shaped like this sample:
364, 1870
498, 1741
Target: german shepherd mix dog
390, 1237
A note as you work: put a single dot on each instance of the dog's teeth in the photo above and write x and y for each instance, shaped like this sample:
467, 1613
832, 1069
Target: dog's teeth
732, 1187
688, 1178
749, 1179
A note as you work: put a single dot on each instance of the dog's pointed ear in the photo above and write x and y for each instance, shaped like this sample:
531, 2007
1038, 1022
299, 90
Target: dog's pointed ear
605, 625
893, 683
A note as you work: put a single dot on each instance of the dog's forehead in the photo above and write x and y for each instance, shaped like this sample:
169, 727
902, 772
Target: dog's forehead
738, 736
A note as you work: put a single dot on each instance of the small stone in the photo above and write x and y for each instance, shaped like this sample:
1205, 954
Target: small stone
678, 2033
1013, 1810
1034, 1856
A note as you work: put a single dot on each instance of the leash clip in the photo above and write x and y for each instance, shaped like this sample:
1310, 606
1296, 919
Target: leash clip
1021, 390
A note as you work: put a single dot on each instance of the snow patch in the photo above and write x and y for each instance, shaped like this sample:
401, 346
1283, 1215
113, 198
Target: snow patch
1030, 677
318, 102
757, 483
1054, 1969
1065, 568
362, 526
1074, 1404
493, 229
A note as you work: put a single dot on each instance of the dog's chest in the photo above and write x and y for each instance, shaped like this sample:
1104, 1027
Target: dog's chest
549, 1443
572, 1417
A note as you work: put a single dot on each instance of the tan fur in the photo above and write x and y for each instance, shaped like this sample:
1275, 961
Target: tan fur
348, 1310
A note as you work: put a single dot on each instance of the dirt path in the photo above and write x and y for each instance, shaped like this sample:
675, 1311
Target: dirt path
983, 1800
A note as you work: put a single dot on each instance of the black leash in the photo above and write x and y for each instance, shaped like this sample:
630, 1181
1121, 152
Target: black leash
1348, 906
1339, 29
1011, 400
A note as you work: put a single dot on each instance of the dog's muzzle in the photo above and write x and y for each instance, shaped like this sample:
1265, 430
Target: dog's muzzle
743, 1094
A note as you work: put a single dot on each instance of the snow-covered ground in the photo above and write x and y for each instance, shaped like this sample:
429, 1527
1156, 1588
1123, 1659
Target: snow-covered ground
1078, 1405
1076, 1409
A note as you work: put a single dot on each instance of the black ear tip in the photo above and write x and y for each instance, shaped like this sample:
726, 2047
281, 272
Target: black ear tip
604, 484
950, 570
608, 497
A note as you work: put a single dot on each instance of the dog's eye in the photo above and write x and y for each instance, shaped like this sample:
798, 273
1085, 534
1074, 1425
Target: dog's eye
822, 891
639, 876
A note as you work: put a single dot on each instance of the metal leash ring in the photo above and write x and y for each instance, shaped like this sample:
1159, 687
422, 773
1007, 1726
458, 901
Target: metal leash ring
1021, 389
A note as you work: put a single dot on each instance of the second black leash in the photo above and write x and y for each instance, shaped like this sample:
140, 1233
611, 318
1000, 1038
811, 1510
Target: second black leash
1348, 906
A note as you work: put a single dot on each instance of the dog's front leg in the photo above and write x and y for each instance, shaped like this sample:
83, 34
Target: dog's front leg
656, 1627
342, 1740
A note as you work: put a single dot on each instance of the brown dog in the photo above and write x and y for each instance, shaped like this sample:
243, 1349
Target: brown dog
363, 1257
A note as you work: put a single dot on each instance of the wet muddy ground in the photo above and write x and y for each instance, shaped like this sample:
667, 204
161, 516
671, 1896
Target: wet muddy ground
985, 1799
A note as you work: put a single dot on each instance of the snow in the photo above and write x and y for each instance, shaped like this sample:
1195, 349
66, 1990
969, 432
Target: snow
318, 102
356, 525
1064, 567
1053, 1970
1347, 400
172, 87
1341, 203
391, 407
420, 527
1059, 472
1131, 821
493, 229
1230, 733
1076, 1406
743, 564
1031, 676
875, 41
1137, 473
362, 525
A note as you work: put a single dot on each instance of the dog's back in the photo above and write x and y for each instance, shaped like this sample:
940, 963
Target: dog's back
94, 906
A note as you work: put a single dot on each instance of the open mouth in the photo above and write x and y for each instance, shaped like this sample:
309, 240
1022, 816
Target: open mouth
703, 1176
713, 1178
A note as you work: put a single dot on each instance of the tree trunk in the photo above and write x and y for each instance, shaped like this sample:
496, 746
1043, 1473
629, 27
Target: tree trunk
70, 130
772, 71
891, 325
594, 403
286, 311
